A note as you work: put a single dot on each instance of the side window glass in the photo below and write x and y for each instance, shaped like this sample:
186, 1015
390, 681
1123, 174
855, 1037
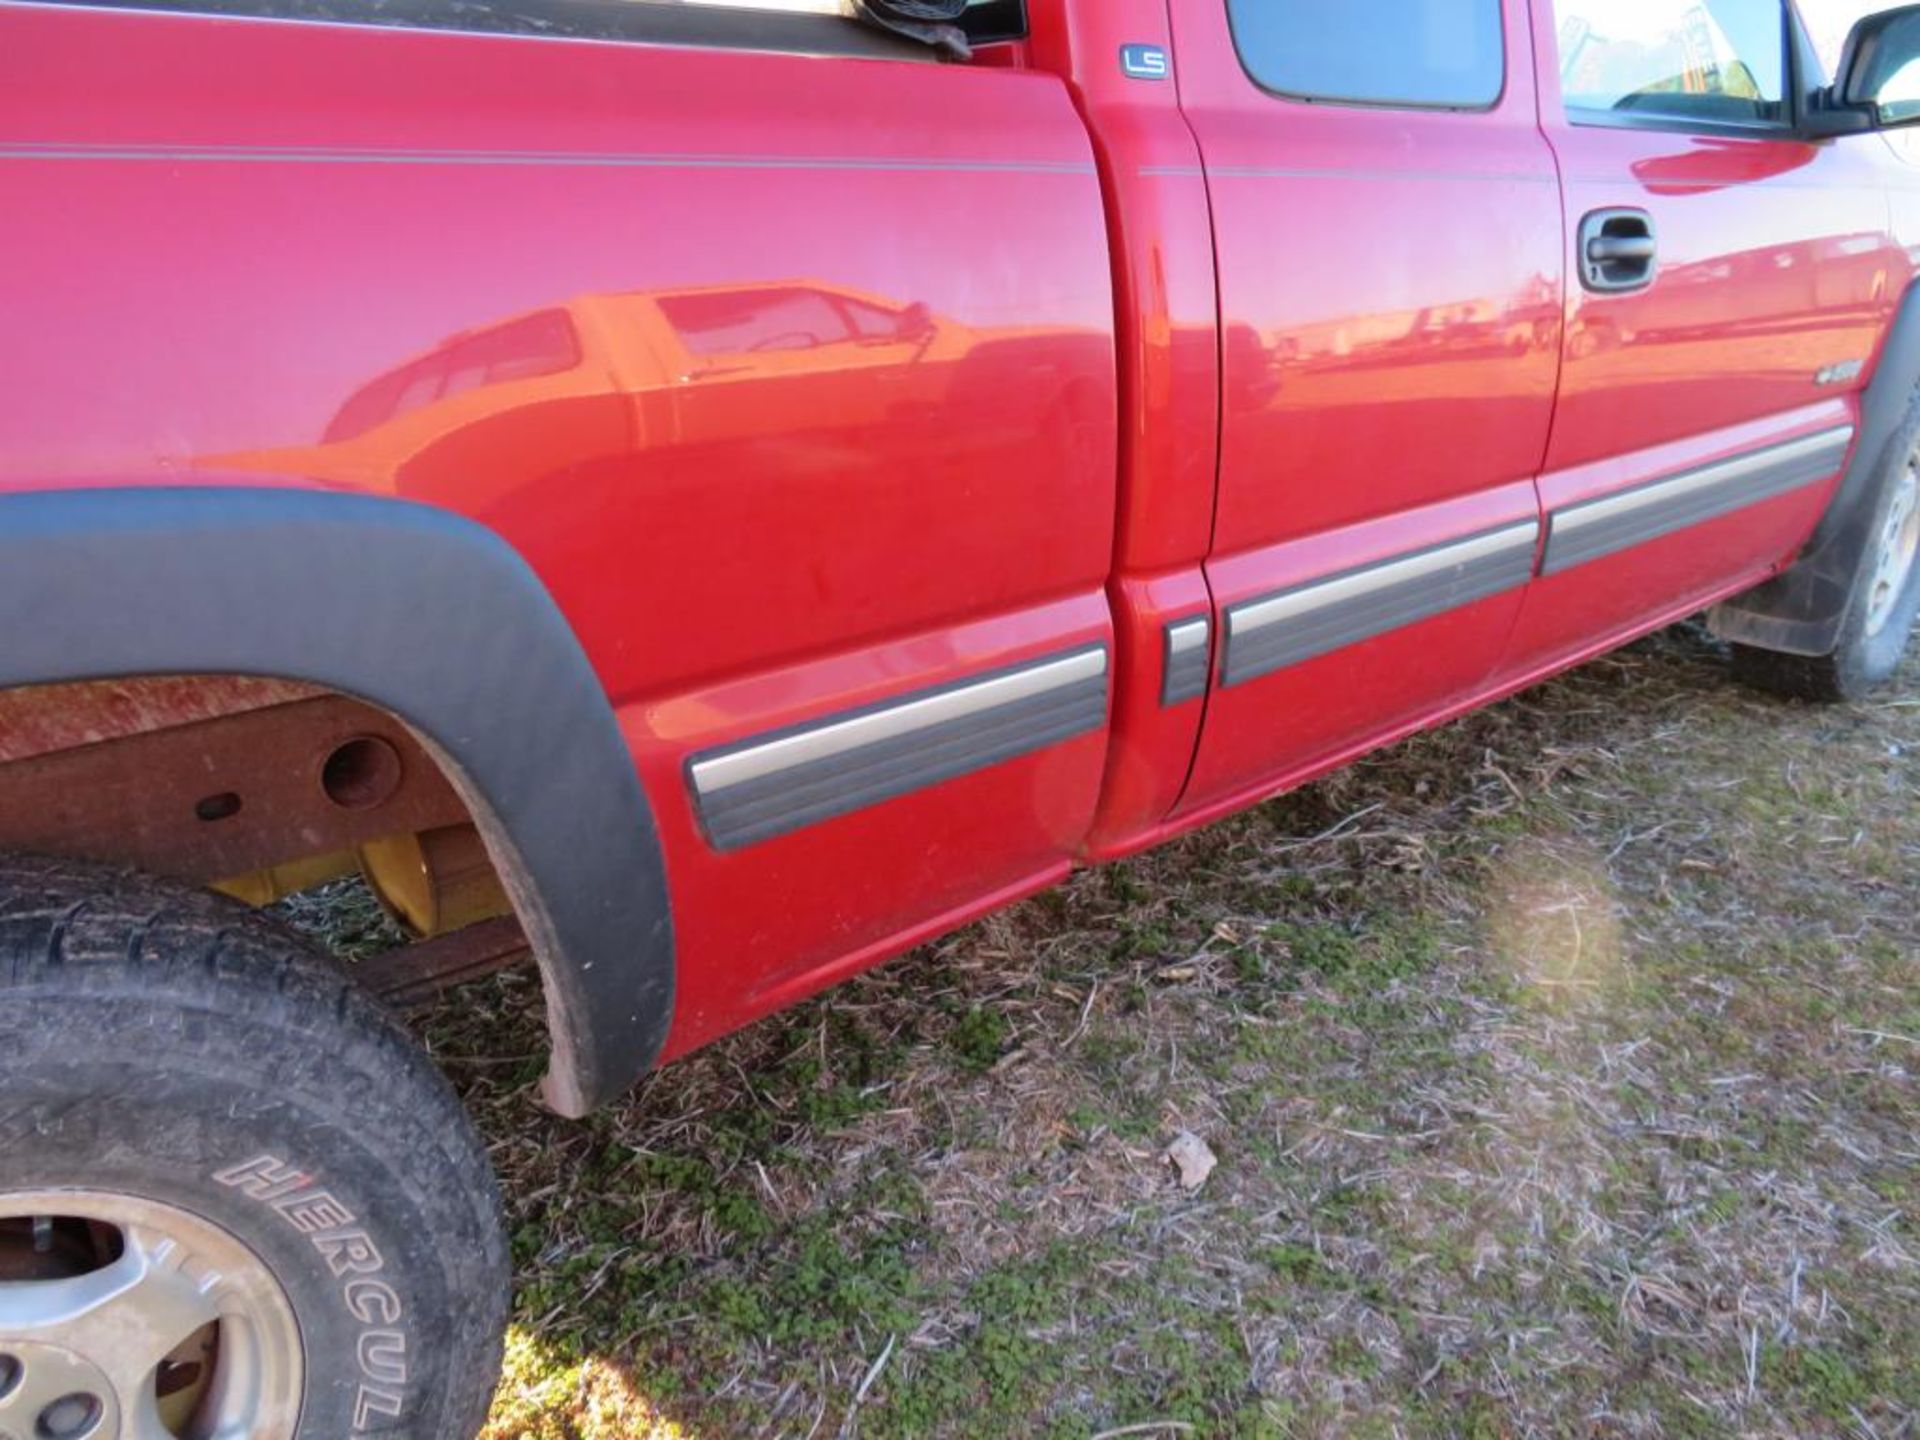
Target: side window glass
751, 322
372, 404
1721, 61
541, 344
1434, 54
400, 392
870, 322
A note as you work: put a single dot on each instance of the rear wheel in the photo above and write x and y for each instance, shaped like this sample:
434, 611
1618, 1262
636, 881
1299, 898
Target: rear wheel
1886, 599
128, 1316
236, 1200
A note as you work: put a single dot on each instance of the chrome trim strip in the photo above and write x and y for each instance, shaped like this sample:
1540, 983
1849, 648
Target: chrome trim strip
1184, 668
1290, 626
837, 737
1593, 528
783, 782
1186, 636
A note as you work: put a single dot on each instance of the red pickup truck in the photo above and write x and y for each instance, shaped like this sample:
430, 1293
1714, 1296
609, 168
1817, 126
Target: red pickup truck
712, 495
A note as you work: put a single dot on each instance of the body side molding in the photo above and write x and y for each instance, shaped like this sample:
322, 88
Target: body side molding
772, 785
1272, 632
1186, 663
1593, 528
422, 613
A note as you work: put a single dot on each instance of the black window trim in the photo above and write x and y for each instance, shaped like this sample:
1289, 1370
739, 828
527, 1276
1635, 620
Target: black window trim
1796, 65
996, 21
1350, 102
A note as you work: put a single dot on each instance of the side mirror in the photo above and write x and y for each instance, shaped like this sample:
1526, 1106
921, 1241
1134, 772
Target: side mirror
1881, 67
1879, 84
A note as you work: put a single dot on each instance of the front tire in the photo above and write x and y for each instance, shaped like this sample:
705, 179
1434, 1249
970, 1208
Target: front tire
1885, 601
235, 1197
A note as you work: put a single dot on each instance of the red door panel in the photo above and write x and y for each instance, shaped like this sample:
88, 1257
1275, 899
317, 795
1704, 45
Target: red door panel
1339, 637
1390, 291
1775, 278
793, 377
1637, 539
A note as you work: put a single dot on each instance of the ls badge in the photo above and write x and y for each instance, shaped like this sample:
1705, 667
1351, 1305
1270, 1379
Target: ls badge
1145, 62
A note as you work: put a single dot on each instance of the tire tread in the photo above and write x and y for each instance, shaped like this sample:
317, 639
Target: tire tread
74, 932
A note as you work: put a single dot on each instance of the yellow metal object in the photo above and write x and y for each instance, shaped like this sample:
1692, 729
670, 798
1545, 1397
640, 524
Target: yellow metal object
263, 887
435, 882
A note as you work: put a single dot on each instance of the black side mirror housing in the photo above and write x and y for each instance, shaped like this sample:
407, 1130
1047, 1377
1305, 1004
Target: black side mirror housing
1879, 83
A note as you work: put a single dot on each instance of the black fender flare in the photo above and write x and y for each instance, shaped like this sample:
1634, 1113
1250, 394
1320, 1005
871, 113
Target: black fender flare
1802, 610
422, 613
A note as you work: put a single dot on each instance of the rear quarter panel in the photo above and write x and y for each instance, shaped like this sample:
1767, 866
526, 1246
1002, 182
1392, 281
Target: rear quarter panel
219, 232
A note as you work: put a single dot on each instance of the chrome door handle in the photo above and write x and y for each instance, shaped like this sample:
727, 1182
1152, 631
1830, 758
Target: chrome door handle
1619, 251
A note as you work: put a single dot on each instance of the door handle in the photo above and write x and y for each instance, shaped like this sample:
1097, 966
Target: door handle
1614, 249
1619, 251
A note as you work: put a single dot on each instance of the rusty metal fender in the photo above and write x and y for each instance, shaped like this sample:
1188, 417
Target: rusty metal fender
424, 614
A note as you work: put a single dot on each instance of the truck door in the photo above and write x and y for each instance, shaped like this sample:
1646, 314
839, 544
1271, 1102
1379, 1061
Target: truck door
1387, 219
1729, 284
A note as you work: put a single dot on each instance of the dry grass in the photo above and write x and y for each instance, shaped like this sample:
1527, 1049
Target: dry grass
1561, 1065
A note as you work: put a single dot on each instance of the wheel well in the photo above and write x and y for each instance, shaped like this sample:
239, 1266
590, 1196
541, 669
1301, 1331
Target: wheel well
1803, 610
260, 788
420, 614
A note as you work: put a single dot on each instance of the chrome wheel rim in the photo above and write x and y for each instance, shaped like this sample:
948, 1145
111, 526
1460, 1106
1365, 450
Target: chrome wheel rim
1898, 550
123, 1318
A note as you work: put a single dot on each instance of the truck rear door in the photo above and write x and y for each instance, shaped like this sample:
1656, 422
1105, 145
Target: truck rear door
1729, 284
1387, 219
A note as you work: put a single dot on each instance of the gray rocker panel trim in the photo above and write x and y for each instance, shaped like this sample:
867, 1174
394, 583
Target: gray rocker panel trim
1185, 661
1291, 626
1594, 528
420, 612
775, 784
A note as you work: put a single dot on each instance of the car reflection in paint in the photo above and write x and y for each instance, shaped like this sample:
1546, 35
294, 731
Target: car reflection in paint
1431, 353
787, 376
1798, 293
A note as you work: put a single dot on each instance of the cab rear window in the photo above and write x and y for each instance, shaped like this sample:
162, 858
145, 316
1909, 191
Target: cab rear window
1429, 54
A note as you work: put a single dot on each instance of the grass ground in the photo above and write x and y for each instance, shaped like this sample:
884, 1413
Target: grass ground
1563, 1067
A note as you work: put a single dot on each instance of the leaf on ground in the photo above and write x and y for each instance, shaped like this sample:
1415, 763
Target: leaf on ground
1190, 1156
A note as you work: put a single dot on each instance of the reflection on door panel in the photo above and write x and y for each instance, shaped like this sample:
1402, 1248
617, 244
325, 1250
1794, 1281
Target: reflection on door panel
542, 344
1390, 290
1694, 438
